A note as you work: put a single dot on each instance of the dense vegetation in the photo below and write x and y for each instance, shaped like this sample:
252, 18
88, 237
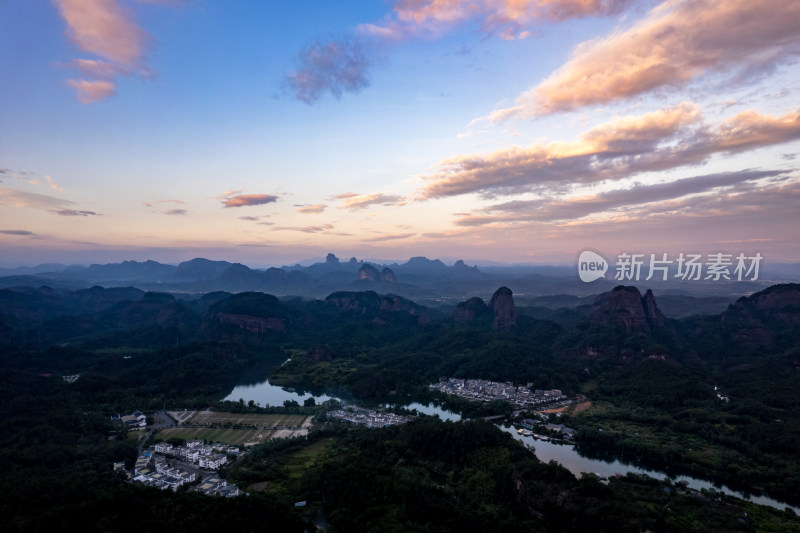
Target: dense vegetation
56, 459
441, 476
715, 397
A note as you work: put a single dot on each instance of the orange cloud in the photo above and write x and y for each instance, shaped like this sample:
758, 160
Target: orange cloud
325, 228
354, 202
676, 43
619, 149
312, 209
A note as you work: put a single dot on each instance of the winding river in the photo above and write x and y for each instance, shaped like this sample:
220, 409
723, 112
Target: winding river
565, 454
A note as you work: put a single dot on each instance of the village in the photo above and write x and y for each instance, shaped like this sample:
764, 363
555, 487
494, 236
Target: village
367, 417
487, 391
167, 466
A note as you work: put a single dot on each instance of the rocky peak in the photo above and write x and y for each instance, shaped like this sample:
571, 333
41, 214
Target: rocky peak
505, 313
331, 259
626, 307
651, 311
369, 272
765, 317
781, 300
461, 270
388, 276
467, 311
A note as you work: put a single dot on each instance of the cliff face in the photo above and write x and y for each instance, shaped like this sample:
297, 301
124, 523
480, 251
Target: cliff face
758, 320
388, 276
779, 301
467, 311
505, 313
626, 307
369, 272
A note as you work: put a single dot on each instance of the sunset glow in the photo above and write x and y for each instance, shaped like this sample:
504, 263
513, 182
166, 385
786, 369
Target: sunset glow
489, 130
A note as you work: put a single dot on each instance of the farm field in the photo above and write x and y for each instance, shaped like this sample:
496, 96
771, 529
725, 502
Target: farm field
232, 428
219, 419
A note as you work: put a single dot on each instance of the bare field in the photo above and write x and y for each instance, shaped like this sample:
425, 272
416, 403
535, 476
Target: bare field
245, 437
573, 408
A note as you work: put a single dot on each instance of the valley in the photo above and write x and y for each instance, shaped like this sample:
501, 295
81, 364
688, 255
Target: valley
711, 396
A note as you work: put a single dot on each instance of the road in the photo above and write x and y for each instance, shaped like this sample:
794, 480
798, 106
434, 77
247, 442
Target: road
161, 420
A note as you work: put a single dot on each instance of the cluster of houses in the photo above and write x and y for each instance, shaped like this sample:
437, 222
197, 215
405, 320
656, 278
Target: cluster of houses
560, 431
487, 391
156, 472
153, 467
367, 417
208, 456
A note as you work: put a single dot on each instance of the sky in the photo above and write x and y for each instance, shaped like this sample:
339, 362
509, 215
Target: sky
269, 132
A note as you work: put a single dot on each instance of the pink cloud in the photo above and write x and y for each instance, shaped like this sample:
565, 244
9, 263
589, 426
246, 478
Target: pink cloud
243, 200
104, 28
619, 149
342, 65
90, 92
109, 31
508, 18
676, 43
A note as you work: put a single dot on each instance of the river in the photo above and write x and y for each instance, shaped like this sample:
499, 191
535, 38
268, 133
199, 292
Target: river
565, 454
569, 458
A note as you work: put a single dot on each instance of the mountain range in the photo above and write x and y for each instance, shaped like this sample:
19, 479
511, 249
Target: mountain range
425, 280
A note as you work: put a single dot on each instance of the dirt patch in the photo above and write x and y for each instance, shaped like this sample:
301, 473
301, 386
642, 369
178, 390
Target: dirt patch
573, 409
259, 486
581, 407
